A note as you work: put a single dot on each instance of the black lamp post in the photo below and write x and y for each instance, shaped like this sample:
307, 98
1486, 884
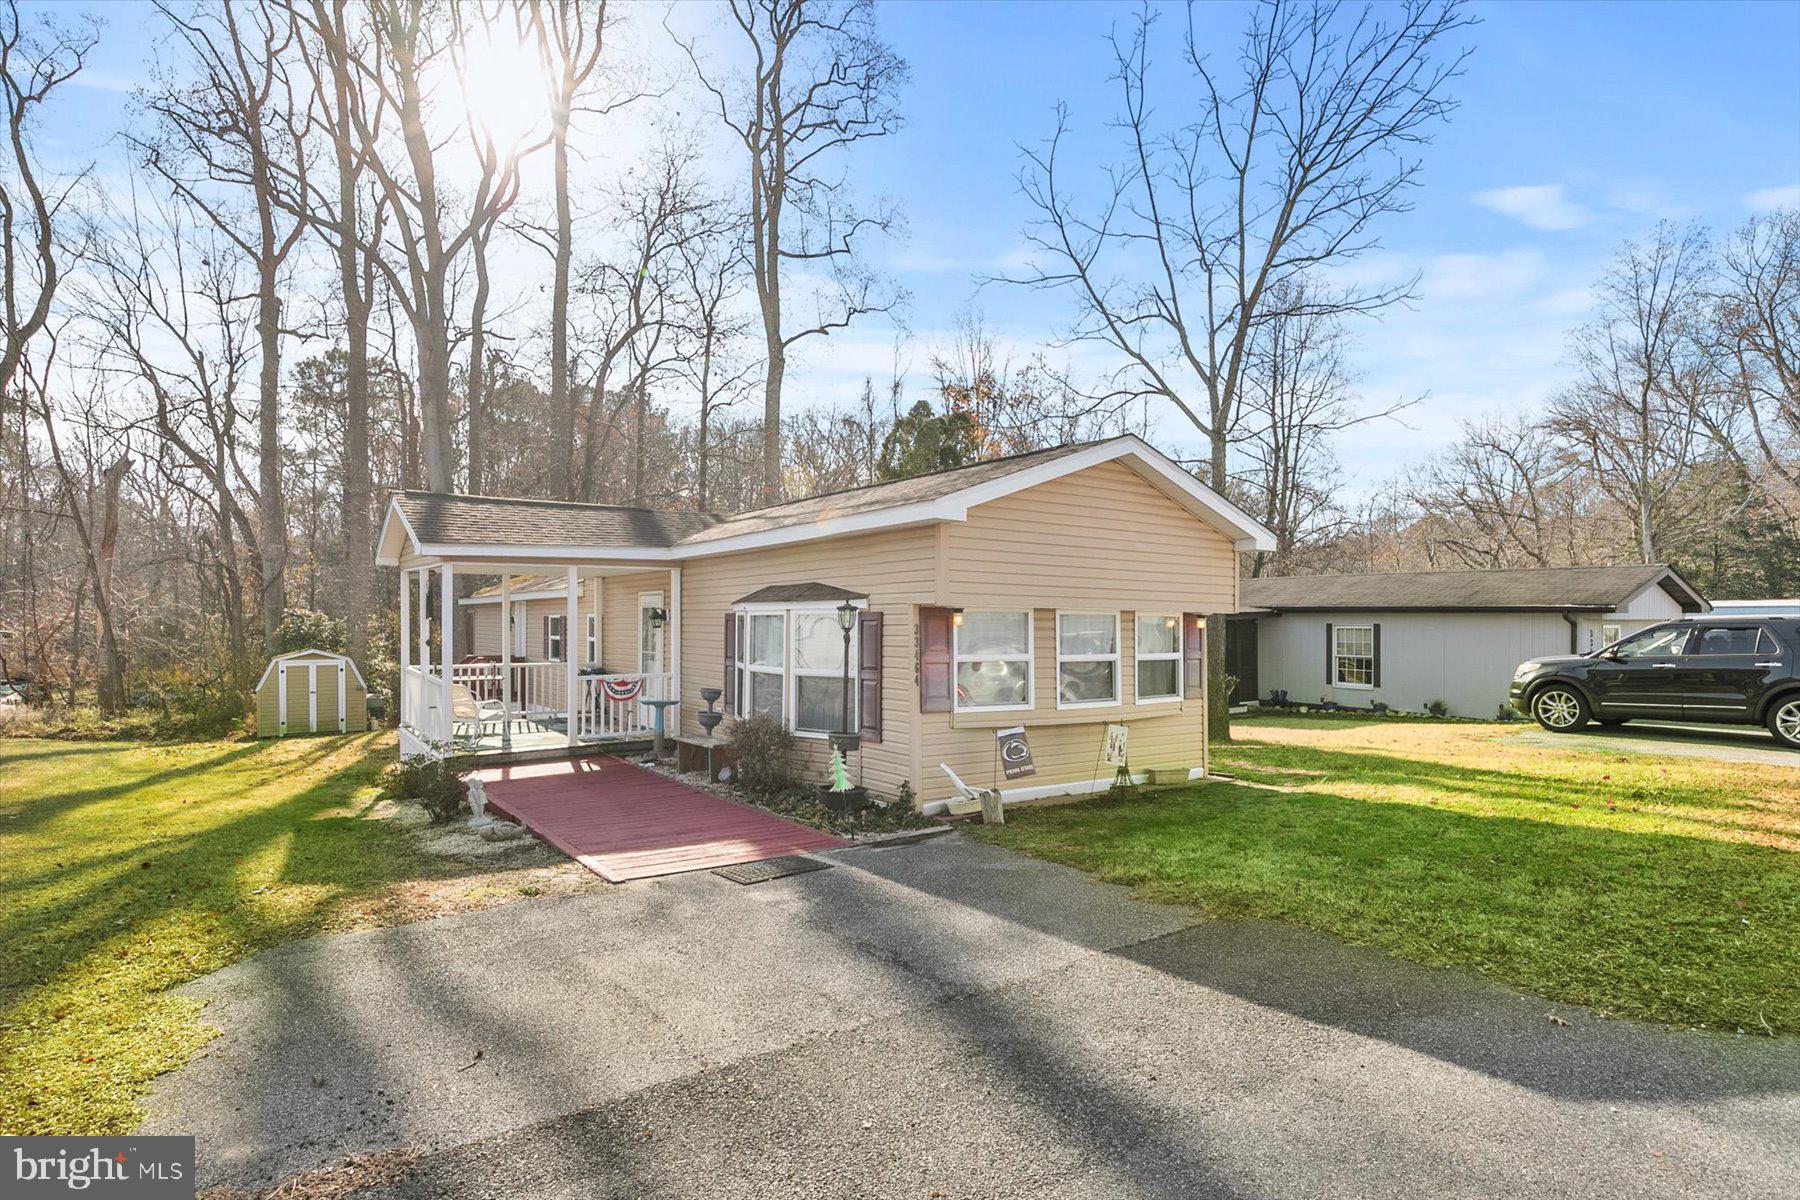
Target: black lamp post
846, 615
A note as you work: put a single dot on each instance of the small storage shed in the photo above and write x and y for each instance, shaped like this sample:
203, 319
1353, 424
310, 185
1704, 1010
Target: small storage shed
311, 691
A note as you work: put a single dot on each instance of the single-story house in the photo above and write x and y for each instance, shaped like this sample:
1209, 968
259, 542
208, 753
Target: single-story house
1405, 639
1060, 591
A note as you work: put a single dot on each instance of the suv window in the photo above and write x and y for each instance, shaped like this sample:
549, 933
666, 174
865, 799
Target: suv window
1665, 641
1729, 640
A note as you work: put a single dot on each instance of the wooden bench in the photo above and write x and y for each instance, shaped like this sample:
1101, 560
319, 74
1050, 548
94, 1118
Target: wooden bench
691, 754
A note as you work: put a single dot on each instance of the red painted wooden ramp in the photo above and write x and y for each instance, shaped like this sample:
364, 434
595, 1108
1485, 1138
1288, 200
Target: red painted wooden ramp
623, 822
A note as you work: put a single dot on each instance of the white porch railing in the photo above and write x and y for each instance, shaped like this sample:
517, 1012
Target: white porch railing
421, 704
612, 706
607, 707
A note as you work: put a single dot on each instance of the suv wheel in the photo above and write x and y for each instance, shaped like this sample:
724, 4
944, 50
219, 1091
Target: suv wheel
1560, 709
1784, 720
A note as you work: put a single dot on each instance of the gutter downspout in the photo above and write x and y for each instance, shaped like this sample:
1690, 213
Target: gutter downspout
1574, 634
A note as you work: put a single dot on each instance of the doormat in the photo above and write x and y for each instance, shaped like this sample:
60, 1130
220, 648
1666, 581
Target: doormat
770, 868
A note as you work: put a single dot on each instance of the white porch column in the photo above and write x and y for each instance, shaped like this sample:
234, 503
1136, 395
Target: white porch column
570, 656
506, 649
405, 624
675, 640
447, 638
425, 617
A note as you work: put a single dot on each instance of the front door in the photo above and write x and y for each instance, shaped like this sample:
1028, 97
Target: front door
1645, 675
1731, 666
651, 635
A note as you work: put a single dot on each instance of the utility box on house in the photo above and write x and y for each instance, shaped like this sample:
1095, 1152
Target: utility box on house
311, 691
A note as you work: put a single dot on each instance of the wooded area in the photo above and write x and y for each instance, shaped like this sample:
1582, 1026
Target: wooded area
356, 250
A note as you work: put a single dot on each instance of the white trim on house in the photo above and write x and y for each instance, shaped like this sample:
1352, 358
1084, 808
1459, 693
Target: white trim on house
1148, 462
1116, 658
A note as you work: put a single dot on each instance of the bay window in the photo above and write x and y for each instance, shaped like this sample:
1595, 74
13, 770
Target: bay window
790, 664
992, 654
819, 672
1087, 659
1158, 657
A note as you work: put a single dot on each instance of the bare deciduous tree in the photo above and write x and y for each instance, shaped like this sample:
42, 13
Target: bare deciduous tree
34, 62
1203, 228
1643, 367
819, 80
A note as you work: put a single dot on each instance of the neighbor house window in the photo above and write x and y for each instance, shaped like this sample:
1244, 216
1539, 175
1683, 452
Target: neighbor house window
554, 630
593, 638
762, 663
993, 659
1087, 659
819, 672
1158, 656
1353, 656
1610, 634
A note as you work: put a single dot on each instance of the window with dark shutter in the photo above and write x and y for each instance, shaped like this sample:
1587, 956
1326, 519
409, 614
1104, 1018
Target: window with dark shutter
868, 675
1376, 639
1330, 657
935, 660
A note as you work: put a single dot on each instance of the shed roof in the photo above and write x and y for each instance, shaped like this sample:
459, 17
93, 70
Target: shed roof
1598, 589
316, 655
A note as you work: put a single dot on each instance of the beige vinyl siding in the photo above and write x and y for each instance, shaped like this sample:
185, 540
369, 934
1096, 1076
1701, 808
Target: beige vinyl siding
1102, 540
619, 618
1098, 539
896, 568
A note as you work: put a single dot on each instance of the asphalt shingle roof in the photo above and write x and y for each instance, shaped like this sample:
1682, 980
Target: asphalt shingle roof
448, 519
800, 593
1599, 588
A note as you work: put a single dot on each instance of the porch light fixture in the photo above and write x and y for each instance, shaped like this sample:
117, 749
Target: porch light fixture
956, 616
1200, 623
846, 616
658, 617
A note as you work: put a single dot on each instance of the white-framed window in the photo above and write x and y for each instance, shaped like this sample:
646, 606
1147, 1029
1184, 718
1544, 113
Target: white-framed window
762, 663
1158, 657
593, 638
818, 670
992, 659
555, 628
1610, 634
1087, 659
790, 663
1353, 656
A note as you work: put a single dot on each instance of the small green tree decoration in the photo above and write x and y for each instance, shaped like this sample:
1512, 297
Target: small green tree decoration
840, 774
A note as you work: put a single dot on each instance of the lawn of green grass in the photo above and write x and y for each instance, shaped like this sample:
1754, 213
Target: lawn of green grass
129, 869
1659, 888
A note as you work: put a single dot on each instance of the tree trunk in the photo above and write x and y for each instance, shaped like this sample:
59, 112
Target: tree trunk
771, 434
356, 518
562, 404
271, 507
110, 675
477, 377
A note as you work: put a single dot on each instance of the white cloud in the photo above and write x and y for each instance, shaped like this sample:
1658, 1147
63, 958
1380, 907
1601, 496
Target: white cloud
1541, 206
1786, 196
1481, 276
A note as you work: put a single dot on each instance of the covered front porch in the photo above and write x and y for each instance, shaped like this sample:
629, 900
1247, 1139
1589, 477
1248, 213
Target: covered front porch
497, 673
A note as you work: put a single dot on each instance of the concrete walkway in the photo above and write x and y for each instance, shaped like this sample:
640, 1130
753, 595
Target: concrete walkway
947, 1018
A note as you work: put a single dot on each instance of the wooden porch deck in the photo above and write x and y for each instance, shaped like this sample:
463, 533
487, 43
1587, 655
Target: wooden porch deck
623, 822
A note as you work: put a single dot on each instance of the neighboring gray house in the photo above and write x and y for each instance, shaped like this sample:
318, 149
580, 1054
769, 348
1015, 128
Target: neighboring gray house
1405, 639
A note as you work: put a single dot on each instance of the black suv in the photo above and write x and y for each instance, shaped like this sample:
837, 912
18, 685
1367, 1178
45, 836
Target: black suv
1714, 670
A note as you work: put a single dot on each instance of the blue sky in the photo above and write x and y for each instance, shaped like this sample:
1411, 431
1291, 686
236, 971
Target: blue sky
1580, 126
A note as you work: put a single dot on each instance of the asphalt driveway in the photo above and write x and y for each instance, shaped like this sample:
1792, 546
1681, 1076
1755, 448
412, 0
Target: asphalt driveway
1722, 743
947, 1019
